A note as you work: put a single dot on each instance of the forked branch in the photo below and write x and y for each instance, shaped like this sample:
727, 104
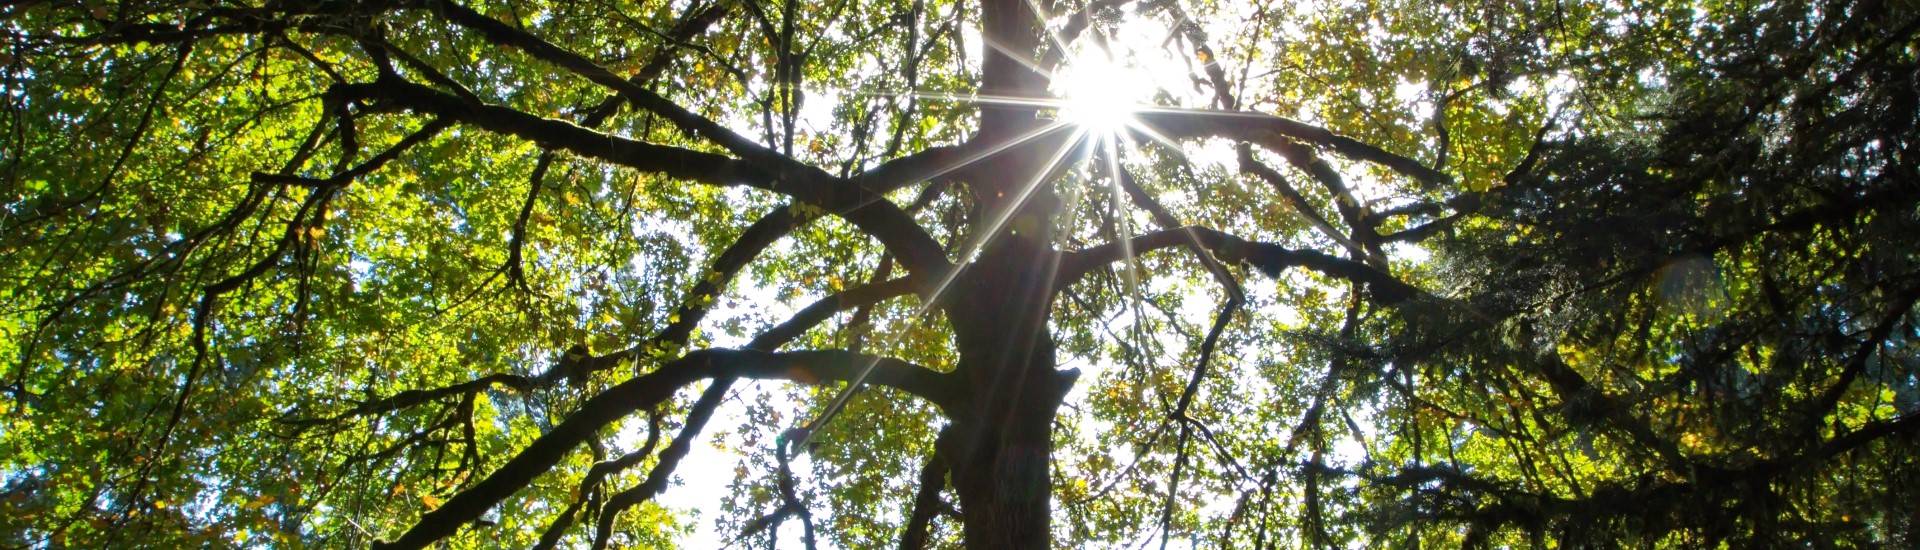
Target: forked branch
647, 391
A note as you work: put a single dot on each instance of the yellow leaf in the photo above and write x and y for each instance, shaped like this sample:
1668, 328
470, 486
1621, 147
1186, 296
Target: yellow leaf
432, 501
262, 501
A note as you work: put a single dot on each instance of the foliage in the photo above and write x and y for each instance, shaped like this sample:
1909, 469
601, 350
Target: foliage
345, 273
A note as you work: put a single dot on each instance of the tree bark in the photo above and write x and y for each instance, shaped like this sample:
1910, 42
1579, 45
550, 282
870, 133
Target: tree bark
1003, 433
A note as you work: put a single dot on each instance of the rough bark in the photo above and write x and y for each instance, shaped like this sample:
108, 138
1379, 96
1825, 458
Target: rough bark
1005, 428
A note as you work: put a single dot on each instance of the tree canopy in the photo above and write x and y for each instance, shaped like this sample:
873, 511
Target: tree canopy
995, 274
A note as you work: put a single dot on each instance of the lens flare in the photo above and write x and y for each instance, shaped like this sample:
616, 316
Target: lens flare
1097, 93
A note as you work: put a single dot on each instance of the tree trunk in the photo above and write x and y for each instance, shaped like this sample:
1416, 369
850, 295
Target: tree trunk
1003, 439
1005, 484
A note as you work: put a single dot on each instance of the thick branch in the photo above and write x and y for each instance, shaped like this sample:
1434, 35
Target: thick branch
710, 399
820, 310
1268, 258
1303, 159
1168, 221
411, 398
1251, 165
590, 484
1582, 398
648, 157
920, 166
695, 125
345, 177
872, 214
1263, 129
769, 228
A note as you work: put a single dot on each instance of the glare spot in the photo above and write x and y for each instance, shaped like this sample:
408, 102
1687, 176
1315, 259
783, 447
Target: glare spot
1691, 286
1098, 94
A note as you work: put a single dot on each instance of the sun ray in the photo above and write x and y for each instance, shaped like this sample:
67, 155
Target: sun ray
996, 222
1048, 102
1130, 275
1001, 147
1011, 54
976, 156
1192, 239
1096, 104
989, 99
1154, 135
1053, 34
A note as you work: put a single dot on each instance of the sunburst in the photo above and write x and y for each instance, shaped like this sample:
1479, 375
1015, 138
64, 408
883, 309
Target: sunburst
1098, 94
1096, 98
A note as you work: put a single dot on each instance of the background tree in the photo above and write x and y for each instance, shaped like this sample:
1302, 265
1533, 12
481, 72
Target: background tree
995, 275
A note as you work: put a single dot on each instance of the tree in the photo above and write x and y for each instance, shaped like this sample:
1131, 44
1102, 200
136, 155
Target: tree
995, 275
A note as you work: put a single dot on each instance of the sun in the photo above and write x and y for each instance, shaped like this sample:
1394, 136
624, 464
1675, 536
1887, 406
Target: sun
1097, 93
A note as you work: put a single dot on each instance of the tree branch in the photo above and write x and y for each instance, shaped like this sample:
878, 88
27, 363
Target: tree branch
926, 502
1264, 129
650, 390
771, 340
1251, 165
872, 214
590, 484
670, 458
1268, 258
769, 228
825, 307
692, 124
1876, 338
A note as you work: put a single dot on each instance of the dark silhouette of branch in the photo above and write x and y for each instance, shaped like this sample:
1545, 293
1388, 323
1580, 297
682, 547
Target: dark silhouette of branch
670, 458
703, 409
926, 502
1303, 159
1269, 258
873, 215
690, 123
772, 226
646, 391
1251, 165
1069, 32
1876, 337
1265, 129
589, 488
